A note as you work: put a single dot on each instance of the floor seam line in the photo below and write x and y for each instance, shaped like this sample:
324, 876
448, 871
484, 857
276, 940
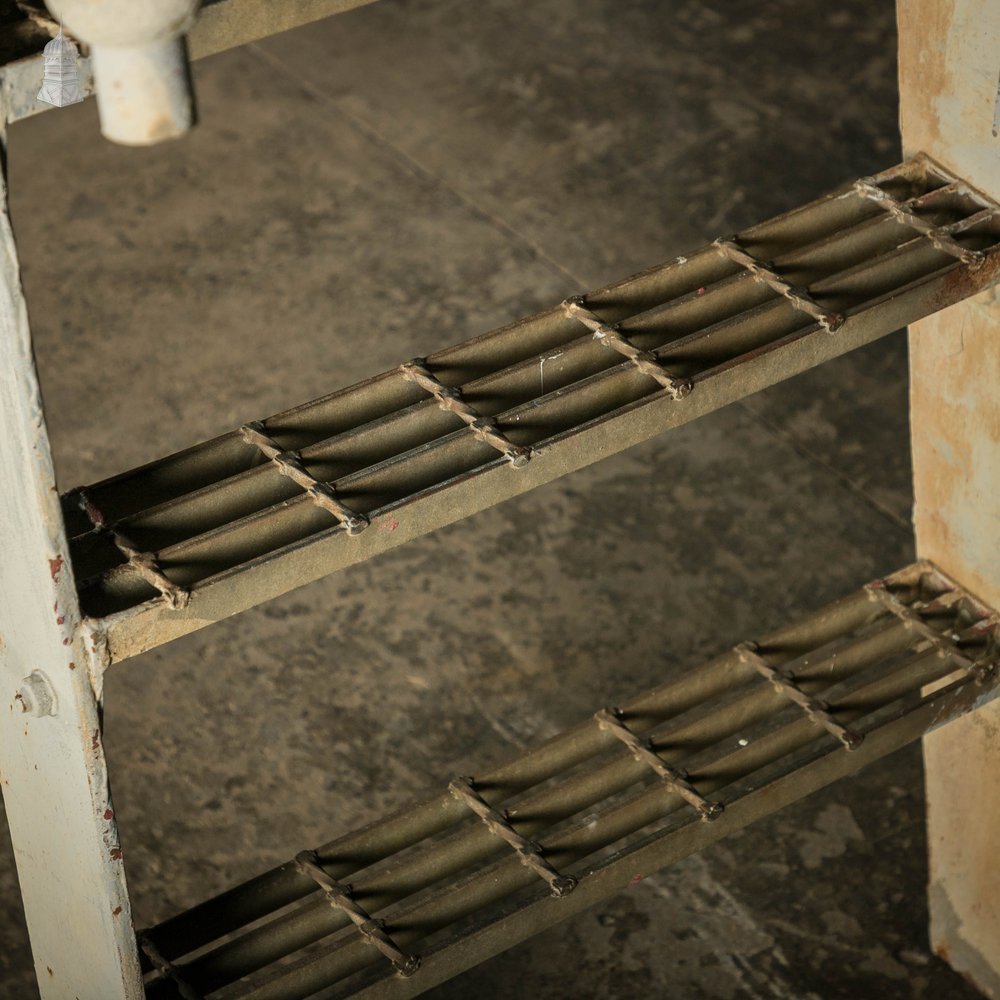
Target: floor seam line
371, 133
842, 477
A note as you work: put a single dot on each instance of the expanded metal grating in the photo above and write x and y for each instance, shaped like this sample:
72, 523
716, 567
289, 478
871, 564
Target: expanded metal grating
398, 907
210, 531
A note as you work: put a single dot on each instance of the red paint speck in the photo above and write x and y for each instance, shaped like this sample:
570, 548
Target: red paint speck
60, 619
393, 525
116, 854
701, 291
635, 880
95, 740
109, 814
66, 641
55, 567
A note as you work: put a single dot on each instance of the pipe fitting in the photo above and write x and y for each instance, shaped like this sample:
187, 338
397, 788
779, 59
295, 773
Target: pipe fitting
140, 64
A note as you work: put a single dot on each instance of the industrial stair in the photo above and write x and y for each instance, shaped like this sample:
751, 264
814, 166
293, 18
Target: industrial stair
404, 904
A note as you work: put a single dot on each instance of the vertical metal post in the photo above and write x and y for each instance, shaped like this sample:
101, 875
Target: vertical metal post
52, 766
949, 70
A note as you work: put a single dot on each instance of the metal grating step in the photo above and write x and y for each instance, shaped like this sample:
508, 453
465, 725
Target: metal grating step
406, 903
213, 530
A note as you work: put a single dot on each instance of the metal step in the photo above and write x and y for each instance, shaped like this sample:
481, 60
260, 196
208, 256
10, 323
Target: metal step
406, 903
208, 532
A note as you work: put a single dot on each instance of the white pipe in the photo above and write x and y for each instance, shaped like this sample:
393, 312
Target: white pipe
140, 64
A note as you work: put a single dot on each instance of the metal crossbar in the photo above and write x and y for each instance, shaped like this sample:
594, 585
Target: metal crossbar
610, 335
943, 643
450, 399
816, 709
167, 971
339, 896
765, 273
144, 563
289, 464
606, 818
232, 531
672, 778
529, 853
942, 236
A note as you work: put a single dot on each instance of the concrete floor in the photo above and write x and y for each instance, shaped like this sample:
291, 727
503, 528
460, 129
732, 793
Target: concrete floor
386, 183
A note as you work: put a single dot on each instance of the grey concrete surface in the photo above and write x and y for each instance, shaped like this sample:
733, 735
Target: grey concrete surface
389, 182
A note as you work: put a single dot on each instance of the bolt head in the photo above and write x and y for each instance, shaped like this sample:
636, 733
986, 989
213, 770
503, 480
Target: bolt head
36, 695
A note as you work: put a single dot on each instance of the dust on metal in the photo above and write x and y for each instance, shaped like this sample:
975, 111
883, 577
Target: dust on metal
913, 616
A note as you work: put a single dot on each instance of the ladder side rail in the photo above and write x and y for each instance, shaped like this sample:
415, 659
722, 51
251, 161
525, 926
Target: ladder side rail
54, 774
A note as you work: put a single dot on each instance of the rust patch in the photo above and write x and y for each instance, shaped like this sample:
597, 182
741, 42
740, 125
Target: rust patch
55, 568
964, 282
116, 854
116, 911
72, 665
